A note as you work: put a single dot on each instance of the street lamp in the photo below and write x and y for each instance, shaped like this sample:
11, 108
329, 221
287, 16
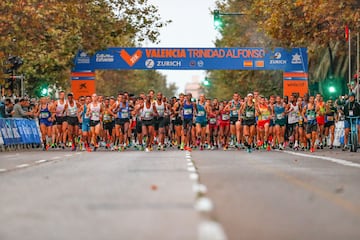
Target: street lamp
218, 23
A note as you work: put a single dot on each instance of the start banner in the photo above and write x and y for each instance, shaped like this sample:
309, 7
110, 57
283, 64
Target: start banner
290, 60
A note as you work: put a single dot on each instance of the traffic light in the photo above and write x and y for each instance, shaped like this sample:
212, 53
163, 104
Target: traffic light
44, 91
217, 19
206, 82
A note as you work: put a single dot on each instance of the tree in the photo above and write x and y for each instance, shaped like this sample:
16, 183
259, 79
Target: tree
47, 34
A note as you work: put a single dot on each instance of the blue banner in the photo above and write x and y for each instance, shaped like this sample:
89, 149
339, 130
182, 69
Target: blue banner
19, 131
290, 60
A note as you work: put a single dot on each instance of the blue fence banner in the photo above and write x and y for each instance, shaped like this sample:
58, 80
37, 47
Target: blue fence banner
19, 131
247, 58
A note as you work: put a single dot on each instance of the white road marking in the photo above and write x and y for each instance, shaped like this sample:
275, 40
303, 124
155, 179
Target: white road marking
68, 155
204, 204
41, 161
191, 169
54, 158
190, 164
194, 176
334, 160
78, 153
210, 230
199, 188
3, 170
22, 165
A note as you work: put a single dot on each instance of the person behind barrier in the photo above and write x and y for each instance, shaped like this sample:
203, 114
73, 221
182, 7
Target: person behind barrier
9, 106
351, 109
18, 111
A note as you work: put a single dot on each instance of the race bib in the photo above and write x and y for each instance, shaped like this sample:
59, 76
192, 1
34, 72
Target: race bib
265, 117
225, 117
351, 113
311, 117
212, 120
148, 114
279, 116
188, 111
44, 115
125, 114
95, 114
249, 114
107, 117
201, 113
330, 118
235, 112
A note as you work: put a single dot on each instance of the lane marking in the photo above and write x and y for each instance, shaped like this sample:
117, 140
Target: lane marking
191, 169
210, 230
194, 176
199, 188
22, 165
204, 204
41, 161
330, 159
3, 170
68, 155
54, 158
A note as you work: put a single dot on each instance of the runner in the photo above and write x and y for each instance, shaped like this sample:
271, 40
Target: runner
263, 112
201, 122
85, 124
247, 112
108, 123
320, 119
148, 112
72, 120
159, 121
122, 121
280, 122
60, 128
188, 110
309, 116
224, 124
213, 127
46, 117
293, 109
178, 122
95, 111
235, 125
331, 116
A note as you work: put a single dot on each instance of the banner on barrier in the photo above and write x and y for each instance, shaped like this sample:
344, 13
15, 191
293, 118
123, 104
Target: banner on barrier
19, 131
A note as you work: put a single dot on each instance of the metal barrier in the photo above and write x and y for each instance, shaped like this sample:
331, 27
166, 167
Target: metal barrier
18, 133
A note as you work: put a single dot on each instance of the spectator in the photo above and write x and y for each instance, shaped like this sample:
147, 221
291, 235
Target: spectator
18, 111
9, 106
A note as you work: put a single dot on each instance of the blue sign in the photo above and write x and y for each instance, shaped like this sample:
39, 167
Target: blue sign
19, 131
289, 60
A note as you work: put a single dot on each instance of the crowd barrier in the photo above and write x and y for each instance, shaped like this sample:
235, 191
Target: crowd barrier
19, 132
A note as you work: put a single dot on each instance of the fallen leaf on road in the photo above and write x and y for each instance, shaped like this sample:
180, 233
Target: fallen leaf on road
153, 187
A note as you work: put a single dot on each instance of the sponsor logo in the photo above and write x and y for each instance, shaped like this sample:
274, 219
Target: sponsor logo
248, 64
259, 64
149, 63
296, 59
200, 63
104, 57
83, 58
131, 59
276, 59
82, 86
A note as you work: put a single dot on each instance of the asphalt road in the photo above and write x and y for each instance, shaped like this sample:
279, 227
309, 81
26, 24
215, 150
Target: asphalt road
138, 195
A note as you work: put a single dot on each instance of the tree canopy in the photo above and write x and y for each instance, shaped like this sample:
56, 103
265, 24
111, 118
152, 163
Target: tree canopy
48, 33
316, 24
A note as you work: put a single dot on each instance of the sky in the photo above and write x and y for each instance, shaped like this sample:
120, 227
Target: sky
192, 26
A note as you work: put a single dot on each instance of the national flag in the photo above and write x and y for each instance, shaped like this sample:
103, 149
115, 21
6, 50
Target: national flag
347, 33
248, 63
259, 64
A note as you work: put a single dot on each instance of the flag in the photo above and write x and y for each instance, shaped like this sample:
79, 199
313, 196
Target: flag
347, 33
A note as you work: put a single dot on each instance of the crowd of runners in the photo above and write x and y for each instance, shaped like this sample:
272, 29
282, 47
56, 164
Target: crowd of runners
152, 121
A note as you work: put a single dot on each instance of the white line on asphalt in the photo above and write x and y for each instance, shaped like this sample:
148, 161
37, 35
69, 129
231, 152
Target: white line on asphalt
78, 153
334, 160
190, 164
54, 158
204, 204
194, 176
3, 170
191, 169
210, 230
41, 161
68, 155
199, 188
22, 165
